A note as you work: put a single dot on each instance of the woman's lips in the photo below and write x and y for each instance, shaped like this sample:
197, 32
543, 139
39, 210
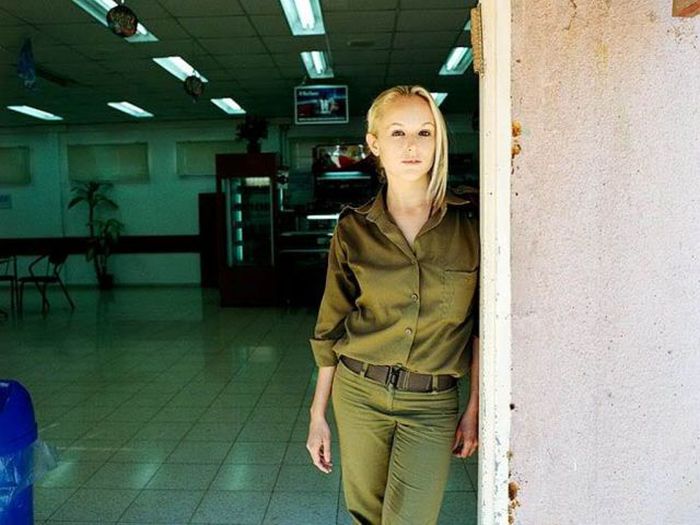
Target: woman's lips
411, 161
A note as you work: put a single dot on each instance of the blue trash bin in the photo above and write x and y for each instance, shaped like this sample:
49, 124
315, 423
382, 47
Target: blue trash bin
18, 432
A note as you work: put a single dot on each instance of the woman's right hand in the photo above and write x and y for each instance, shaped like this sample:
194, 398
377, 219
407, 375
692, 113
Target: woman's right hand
319, 443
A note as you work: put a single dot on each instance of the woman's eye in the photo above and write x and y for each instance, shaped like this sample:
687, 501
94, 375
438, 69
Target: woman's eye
425, 133
397, 133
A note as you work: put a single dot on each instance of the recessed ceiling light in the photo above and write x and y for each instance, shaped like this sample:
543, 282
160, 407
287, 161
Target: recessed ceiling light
98, 9
229, 105
316, 63
457, 61
130, 109
34, 112
178, 67
304, 17
438, 97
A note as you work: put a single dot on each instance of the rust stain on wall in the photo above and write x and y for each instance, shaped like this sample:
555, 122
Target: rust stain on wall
513, 489
516, 130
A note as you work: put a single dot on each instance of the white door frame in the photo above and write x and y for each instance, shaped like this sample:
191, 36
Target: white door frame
495, 294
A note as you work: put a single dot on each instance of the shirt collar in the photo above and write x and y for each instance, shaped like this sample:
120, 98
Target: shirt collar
377, 206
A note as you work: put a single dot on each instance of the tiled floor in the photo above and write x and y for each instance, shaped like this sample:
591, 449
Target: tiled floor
167, 409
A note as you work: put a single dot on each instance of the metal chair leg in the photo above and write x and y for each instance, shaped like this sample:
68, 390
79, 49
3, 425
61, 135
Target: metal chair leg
44, 299
20, 299
65, 292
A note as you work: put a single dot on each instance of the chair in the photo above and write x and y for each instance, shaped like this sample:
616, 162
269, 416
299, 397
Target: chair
54, 263
8, 273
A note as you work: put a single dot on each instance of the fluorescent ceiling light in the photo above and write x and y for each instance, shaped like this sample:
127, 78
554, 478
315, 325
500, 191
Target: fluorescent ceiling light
304, 17
130, 109
177, 67
321, 217
316, 64
438, 97
33, 112
468, 25
98, 10
229, 105
458, 61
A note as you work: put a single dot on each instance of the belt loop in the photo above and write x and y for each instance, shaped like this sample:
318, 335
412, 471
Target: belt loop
433, 384
363, 372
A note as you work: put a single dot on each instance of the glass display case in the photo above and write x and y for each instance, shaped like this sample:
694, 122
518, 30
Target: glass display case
247, 188
249, 221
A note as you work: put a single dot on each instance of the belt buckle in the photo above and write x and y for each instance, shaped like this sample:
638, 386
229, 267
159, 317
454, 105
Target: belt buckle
393, 377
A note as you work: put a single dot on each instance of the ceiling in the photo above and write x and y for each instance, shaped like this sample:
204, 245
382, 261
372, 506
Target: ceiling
244, 47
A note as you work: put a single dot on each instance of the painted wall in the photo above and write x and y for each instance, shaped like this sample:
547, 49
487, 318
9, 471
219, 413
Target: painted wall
606, 263
167, 203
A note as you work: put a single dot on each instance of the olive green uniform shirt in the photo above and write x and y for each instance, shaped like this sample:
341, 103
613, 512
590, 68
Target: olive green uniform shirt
388, 304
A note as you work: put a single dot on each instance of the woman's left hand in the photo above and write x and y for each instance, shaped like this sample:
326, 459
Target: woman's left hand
466, 436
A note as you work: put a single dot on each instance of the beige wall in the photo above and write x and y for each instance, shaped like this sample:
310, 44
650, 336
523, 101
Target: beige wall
606, 263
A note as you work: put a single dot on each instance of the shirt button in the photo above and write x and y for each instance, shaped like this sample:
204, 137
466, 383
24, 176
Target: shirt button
414, 296
408, 331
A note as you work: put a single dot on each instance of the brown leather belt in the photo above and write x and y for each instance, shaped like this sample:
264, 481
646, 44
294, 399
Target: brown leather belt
400, 378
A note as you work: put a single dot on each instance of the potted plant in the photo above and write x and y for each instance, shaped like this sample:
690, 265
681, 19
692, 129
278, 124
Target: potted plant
104, 233
252, 129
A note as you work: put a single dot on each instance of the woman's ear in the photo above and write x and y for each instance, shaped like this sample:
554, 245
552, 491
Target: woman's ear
372, 143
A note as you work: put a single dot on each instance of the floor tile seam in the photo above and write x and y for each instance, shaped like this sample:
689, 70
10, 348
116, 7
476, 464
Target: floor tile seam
279, 470
194, 424
73, 493
140, 491
248, 417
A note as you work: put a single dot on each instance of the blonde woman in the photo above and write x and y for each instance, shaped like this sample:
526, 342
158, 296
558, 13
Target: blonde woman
397, 325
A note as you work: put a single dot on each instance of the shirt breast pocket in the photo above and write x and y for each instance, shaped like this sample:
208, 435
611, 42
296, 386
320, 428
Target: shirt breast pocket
458, 287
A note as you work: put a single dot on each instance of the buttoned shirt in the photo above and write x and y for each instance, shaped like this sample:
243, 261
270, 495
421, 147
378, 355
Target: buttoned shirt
388, 303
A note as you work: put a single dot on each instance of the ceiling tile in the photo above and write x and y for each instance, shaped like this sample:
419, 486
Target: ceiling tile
43, 12
84, 33
435, 55
286, 44
262, 73
346, 41
218, 26
359, 5
180, 8
245, 60
367, 69
427, 39
357, 57
164, 29
439, 4
222, 46
262, 7
435, 20
377, 22
270, 25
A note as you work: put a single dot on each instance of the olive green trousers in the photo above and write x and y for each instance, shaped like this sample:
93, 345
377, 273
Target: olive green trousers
395, 449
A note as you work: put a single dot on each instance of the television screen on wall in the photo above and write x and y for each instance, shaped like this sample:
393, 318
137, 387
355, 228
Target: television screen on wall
321, 104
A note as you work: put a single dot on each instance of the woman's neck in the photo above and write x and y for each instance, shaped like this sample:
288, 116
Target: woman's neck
407, 196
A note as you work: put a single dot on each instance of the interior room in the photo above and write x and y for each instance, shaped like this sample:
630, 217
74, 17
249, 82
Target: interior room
167, 199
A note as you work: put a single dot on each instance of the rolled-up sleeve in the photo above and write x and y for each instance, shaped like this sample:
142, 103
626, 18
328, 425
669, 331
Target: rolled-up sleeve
337, 302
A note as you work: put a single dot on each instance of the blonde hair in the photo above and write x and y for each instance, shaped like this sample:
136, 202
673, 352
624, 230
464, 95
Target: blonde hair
437, 187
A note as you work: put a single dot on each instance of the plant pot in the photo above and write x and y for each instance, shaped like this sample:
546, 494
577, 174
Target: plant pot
106, 281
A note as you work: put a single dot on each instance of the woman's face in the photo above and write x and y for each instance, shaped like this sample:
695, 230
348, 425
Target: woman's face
405, 138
